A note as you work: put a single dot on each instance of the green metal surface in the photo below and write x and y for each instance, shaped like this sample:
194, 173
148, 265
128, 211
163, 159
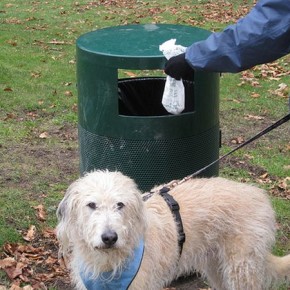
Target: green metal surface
135, 46
151, 149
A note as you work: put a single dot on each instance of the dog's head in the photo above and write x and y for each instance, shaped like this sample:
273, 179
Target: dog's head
102, 210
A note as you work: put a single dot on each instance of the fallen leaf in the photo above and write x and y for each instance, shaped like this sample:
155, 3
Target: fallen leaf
30, 235
49, 233
32, 114
7, 262
238, 140
249, 156
12, 42
35, 74
74, 107
44, 135
285, 183
57, 42
15, 287
27, 287
9, 116
255, 95
68, 93
265, 175
41, 215
253, 117
130, 74
282, 91
13, 272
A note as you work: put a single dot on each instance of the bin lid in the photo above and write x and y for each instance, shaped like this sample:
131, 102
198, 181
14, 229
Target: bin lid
136, 46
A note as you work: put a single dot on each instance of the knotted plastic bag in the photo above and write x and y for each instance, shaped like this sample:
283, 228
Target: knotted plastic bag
173, 99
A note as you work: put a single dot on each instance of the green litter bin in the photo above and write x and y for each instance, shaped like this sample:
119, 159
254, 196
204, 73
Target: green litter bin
122, 124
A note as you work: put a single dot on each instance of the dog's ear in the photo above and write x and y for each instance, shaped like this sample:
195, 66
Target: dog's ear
62, 227
63, 214
61, 210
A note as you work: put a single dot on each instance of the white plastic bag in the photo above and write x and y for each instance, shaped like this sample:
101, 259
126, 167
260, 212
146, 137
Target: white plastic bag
173, 96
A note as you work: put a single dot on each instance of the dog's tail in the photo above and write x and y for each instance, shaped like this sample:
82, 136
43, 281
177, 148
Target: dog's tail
279, 269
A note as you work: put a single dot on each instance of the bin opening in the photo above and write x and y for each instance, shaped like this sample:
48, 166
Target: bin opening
143, 96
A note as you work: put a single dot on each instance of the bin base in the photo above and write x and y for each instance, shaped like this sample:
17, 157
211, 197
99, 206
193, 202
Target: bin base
150, 162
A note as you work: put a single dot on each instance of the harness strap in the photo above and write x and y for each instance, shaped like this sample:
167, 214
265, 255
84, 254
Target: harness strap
174, 207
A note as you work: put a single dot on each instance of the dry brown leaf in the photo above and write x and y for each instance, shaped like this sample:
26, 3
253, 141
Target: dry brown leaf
7, 262
27, 287
238, 140
255, 95
49, 233
253, 117
56, 42
74, 107
68, 93
30, 235
41, 215
12, 42
282, 91
43, 135
285, 183
130, 74
13, 272
265, 175
9, 116
15, 287
35, 75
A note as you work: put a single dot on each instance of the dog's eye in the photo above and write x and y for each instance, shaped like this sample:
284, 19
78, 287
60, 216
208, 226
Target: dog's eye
92, 205
120, 205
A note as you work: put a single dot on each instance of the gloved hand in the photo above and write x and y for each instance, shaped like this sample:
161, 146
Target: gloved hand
178, 68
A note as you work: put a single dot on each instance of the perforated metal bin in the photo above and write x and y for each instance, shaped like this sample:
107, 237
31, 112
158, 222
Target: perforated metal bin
122, 124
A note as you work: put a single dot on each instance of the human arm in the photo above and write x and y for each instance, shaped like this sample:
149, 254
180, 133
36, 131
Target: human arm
261, 36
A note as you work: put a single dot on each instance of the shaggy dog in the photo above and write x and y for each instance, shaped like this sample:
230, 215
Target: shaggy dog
229, 227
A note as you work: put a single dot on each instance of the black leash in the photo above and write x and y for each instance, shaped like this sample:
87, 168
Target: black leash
260, 134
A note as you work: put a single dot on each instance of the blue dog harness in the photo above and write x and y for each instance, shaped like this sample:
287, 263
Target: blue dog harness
122, 280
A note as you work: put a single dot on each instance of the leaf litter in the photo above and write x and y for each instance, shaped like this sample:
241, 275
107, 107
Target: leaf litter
34, 264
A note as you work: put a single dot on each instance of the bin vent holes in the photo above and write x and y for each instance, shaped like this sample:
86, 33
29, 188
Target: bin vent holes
143, 96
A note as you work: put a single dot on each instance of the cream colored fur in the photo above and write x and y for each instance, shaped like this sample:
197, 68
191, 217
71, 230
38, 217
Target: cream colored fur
229, 227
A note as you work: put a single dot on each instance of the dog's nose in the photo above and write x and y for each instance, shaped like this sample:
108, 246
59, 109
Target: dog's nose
109, 238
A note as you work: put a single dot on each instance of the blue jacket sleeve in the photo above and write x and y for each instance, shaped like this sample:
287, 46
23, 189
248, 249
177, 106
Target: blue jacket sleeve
261, 36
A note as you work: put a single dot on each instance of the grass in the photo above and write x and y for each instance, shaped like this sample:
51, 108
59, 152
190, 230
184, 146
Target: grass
38, 112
